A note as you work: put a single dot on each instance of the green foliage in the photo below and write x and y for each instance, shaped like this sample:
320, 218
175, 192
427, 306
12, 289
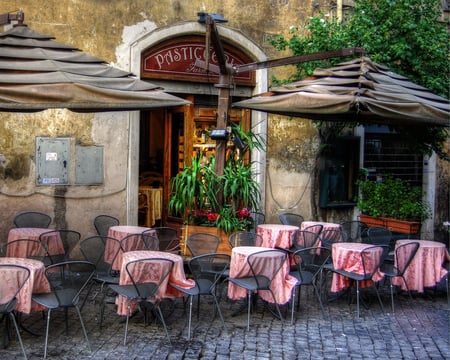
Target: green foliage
393, 198
194, 191
404, 35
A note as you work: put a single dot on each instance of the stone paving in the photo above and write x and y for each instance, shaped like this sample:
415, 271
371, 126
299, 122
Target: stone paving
419, 329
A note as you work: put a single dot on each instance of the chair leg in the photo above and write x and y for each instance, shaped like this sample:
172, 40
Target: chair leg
319, 297
392, 296
190, 317
218, 308
378, 296
357, 299
292, 306
46, 332
18, 334
249, 309
163, 322
126, 324
83, 328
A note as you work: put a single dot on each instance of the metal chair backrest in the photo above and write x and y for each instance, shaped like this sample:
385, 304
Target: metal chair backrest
151, 240
258, 219
245, 238
404, 254
93, 250
305, 239
167, 236
317, 228
32, 219
202, 243
291, 219
155, 271
353, 229
312, 260
70, 239
208, 269
102, 223
379, 236
331, 236
133, 242
265, 271
371, 264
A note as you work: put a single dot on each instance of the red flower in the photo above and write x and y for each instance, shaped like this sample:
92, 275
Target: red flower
243, 213
212, 216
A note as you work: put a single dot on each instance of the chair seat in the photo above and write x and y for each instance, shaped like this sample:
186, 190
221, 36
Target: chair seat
251, 284
143, 291
8, 307
106, 278
354, 276
303, 278
50, 300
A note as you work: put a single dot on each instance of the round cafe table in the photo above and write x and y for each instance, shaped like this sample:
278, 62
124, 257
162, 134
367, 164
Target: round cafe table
119, 232
277, 235
426, 268
177, 276
346, 256
37, 283
282, 285
53, 242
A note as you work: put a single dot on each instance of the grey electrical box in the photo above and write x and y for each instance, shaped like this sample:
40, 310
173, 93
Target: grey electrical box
52, 161
88, 165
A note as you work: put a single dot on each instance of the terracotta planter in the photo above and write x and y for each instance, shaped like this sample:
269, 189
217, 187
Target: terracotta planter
402, 226
371, 221
224, 246
394, 225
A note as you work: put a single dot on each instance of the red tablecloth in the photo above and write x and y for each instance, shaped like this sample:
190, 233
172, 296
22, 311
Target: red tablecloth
37, 283
53, 242
346, 256
426, 268
277, 235
119, 232
281, 286
176, 276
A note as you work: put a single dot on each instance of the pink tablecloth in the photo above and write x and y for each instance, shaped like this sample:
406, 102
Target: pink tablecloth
176, 276
119, 232
425, 270
346, 256
277, 235
53, 242
281, 286
326, 225
37, 283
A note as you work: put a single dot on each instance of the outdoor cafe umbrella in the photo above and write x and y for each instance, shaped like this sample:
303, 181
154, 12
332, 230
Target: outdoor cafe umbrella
37, 73
359, 90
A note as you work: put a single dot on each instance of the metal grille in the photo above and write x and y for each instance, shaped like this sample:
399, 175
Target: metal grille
385, 153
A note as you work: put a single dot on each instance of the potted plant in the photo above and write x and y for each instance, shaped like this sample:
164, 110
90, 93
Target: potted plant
195, 190
392, 203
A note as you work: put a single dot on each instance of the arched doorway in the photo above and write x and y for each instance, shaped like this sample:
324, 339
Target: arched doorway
169, 137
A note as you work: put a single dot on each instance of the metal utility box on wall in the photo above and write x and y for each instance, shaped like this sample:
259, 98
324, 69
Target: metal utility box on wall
89, 165
52, 161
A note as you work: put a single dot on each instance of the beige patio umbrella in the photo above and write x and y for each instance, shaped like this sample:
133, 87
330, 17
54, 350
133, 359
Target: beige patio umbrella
359, 90
37, 73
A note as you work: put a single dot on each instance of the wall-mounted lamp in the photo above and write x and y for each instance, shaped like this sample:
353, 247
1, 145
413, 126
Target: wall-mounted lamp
216, 17
218, 134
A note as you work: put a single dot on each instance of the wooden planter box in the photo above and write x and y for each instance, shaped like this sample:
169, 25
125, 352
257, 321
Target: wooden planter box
394, 225
224, 246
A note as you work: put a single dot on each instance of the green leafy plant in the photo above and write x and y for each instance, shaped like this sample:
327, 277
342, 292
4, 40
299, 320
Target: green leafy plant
195, 190
392, 198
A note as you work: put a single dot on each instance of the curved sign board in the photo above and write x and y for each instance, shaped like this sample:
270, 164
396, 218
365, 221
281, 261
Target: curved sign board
174, 59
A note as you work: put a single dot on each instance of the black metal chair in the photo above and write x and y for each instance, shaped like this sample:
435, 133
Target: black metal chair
207, 271
367, 271
309, 263
258, 219
403, 255
202, 243
245, 238
144, 291
69, 238
32, 219
151, 240
353, 230
102, 223
9, 291
67, 279
317, 228
168, 238
261, 276
331, 236
291, 219
381, 236
305, 239
93, 250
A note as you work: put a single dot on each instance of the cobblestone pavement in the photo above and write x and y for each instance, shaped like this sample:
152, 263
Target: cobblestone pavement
419, 329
